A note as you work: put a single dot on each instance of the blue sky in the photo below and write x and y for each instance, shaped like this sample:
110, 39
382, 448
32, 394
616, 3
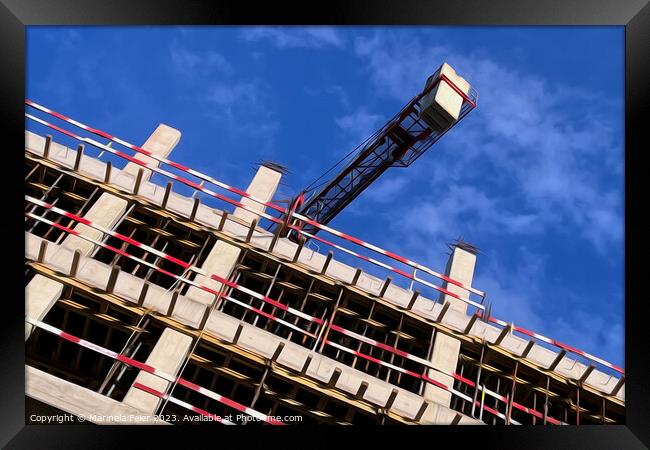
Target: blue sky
533, 176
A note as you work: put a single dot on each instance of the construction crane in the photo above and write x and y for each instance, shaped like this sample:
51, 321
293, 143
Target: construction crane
445, 100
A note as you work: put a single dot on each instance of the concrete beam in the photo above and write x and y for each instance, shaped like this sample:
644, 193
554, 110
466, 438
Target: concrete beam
167, 356
263, 187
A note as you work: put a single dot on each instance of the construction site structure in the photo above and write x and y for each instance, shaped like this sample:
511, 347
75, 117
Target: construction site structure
144, 305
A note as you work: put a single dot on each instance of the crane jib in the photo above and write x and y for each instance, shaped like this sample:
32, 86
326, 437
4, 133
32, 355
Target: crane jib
398, 144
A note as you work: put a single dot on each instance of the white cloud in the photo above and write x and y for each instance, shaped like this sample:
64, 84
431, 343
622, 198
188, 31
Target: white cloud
295, 37
386, 190
514, 298
359, 125
462, 209
337, 91
241, 107
243, 93
534, 158
398, 69
192, 64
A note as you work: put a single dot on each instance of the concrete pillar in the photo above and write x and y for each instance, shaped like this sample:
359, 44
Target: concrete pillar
220, 261
41, 293
161, 143
460, 267
222, 258
263, 187
167, 356
444, 355
106, 211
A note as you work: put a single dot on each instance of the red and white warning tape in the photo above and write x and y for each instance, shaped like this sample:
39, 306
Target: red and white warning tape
556, 343
394, 256
166, 272
181, 403
152, 370
382, 346
207, 191
267, 299
372, 359
393, 269
232, 189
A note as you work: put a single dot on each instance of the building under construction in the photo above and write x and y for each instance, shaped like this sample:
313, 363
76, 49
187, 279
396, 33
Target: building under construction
145, 305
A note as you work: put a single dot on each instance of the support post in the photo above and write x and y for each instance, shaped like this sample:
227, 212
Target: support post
263, 187
446, 349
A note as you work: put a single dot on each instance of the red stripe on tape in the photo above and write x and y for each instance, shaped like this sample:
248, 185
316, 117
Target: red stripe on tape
69, 337
148, 389
134, 363
189, 384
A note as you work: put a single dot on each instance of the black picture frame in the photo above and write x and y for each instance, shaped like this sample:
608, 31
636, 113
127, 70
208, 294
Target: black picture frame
634, 15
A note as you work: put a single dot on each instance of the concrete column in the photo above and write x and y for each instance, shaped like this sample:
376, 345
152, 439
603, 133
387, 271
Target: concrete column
263, 187
222, 258
41, 292
161, 143
106, 211
167, 356
460, 267
220, 261
444, 355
